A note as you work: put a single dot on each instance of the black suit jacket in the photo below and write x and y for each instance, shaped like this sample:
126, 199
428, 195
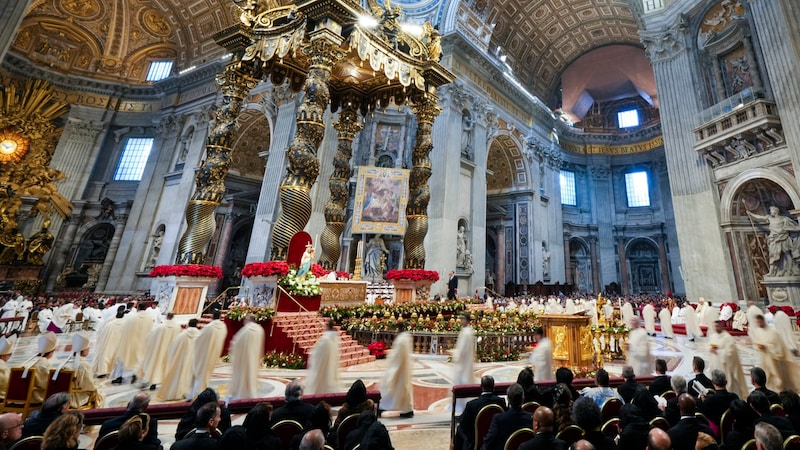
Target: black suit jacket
466, 430
294, 410
627, 389
783, 424
703, 380
151, 440
684, 434
660, 385
671, 412
735, 439
452, 285
197, 441
716, 404
772, 396
545, 440
503, 425
634, 436
600, 440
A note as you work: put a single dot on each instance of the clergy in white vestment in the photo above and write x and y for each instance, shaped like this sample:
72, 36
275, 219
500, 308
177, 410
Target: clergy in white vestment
676, 318
739, 321
110, 311
725, 357
323, 363
61, 315
107, 342
753, 311
9, 309
24, 307
627, 313
649, 316
775, 358
701, 309
397, 393
6, 349
46, 347
464, 359
177, 382
155, 313
665, 319
87, 392
541, 358
208, 350
246, 351
783, 325
131, 350
93, 315
44, 318
639, 349
154, 364
710, 315
569, 307
693, 330
608, 311
726, 312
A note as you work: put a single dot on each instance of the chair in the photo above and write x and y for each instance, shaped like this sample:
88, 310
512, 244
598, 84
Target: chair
571, 434
18, 395
749, 445
328, 447
347, 425
611, 427
518, 437
482, 422
188, 433
29, 443
701, 418
725, 424
668, 395
530, 407
62, 383
610, 409
285, 430
792, 443
777, 410
108, 441
660, 422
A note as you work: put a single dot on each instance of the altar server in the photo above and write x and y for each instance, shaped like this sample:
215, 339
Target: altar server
639, 349
6, 349
665, 318
158, 342
774, 357
208, 350
246, 351
725, 357
541, 358
131, 351
88, 393
464, 359
178, 384
323, 363
649, 316
108, 339
397, 392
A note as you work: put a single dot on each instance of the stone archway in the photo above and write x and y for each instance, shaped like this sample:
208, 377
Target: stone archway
580, 262
645, 266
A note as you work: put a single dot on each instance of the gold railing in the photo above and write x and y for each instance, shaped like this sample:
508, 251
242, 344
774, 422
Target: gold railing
221, 295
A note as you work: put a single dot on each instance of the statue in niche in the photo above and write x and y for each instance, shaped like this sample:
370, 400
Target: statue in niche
467, 126
782, 248
375, 257
468, 262
185, 143
545, 261
39, 244
156, 249
93, 275
461, 246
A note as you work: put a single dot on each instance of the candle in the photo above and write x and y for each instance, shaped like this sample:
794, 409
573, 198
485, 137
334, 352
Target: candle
359, 249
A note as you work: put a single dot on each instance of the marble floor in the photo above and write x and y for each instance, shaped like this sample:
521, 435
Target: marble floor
429, 429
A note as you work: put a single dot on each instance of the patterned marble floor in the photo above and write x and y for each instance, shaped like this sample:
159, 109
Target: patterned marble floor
432, 380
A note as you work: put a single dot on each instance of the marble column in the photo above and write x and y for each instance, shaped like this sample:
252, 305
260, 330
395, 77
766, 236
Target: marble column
567, 261
595, 264
662, 256
500, 281
623, 267
64, 242
113, 247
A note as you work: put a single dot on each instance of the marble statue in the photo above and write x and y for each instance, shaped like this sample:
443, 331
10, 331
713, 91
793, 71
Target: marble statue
305, 262
376, 250
156, 249
468, 262
781, 247
545, 261
461, 247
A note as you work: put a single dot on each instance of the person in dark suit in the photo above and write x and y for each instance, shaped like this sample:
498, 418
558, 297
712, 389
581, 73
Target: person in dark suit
586, 415
452, 286
684, 434
627, 389
660, 383
714, 405
563, 376
698, 366
760, 404
465, 434
634, 428
205, 437
759, 379
294, 408
504, 424
671, 412
137, 405
55, 405
525, 379
743, 426
545, 439
791, 406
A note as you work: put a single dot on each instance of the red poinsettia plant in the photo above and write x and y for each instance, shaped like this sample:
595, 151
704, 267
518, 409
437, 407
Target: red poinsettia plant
377, 349
187, 270
319, 271
343, 275
412, 274
265, 269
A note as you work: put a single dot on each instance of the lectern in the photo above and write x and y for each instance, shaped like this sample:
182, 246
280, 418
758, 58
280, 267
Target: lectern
571, 338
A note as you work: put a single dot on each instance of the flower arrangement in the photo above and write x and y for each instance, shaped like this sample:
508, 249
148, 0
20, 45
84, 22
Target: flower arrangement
265, 269
377, 349
319, 271
295, 286
187, 270
343, 275
497, 353
486, 325
283, 360
785, 308
405, 310
239, 312
412, 275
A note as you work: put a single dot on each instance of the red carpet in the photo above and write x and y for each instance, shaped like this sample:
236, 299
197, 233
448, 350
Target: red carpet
681, 329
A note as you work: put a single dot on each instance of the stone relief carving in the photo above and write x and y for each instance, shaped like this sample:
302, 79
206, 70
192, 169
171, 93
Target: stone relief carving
664, 44
783, 249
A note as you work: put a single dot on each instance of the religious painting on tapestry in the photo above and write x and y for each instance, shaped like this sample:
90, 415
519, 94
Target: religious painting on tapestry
381, 198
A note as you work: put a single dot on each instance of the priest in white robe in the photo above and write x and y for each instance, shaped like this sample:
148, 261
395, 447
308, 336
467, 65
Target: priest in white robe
464, 359
397, 392
154, 364
207, 353
693, 330
783, 325
725, 357
87, 392
61, 316
246, 351
710, 315
6, 349
665, 319
323, 363
753, 311
649, 316
108, 339
178, 381
24, 308
677, 318
46, 348
775, 358
726, 313
639, 349
700, 310
541, 358
44, 318
739, 321
9, 309
627, 313
131, 350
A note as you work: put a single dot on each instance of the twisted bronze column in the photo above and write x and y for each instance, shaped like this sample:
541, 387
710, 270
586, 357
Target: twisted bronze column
426, 110
235, 82
295, 190
335, 209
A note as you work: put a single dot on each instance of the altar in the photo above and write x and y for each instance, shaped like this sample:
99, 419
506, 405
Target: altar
572, 339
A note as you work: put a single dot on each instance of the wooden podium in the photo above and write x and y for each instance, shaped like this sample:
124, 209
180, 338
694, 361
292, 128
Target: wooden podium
571, 338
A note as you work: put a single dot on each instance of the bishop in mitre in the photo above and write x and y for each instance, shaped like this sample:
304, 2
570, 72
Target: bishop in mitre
725, 357
87, 392
774, 356
323, 363
154, 365
783, 325
42, 365
639, 349
6, 349
649, 316
108, 341
693, 330
131, 351
178, 383
665, 319
246, 351
464, 359
541, 357
208, 350
397, 392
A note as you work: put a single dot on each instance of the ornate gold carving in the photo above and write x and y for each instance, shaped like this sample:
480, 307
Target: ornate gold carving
156, 23
560, 342
587, 345
84, 9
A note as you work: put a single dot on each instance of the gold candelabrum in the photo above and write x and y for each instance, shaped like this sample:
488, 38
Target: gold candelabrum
322, 50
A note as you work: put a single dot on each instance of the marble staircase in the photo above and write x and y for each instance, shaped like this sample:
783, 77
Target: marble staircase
305, 328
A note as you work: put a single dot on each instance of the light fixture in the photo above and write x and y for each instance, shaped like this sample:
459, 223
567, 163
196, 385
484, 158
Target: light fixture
13, 146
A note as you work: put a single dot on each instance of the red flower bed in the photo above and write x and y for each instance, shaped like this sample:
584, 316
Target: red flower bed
265, 269
343, 275
412, 274
187, 270
377, 349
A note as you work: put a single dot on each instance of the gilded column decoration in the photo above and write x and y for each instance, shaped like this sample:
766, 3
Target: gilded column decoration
426, 111
295, 190
235, 83
335, 210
